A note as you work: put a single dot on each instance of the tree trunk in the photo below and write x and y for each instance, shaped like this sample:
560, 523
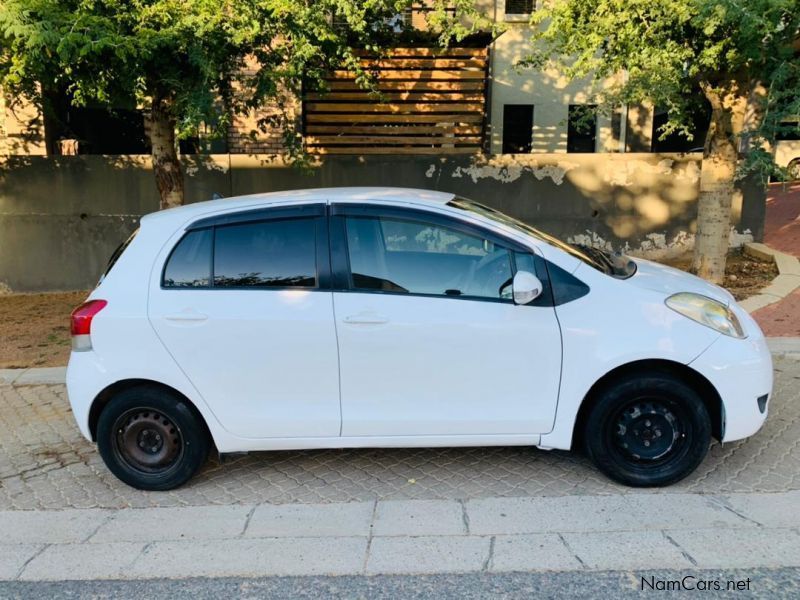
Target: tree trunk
166, 166
717, 184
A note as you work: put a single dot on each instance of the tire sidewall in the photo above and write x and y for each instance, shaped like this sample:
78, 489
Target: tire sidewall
194, 436
658, 386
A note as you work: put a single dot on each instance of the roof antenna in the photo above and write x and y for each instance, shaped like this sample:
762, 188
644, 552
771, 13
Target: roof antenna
217, 196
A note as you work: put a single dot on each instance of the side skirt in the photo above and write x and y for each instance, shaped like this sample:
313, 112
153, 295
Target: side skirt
233, 445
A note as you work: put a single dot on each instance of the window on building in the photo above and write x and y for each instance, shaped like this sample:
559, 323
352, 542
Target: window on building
582, 128
520, 7
699, 116
517, 128
789, 130
397, 22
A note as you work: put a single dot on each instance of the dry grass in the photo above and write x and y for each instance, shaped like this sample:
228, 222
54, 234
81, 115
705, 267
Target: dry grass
34, 329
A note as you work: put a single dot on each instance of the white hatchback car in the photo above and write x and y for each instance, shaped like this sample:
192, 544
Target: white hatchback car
385, 317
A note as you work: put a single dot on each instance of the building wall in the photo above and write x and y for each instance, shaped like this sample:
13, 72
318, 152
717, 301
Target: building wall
550, 93
787, 151
257, 132
61, 217
21, 128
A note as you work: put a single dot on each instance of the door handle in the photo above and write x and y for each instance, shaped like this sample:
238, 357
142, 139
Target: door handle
366, 319
186, 316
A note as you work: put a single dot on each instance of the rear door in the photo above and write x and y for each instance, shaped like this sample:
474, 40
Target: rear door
244, 307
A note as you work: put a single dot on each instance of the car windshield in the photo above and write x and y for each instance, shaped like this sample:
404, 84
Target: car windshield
614, 265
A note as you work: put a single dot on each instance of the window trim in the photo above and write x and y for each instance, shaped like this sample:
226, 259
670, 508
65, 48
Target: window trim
315, 212
340, 254
256, 215
519, 17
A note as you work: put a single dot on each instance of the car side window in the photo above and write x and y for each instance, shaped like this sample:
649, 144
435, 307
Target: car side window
189, 264
267, 254
411, 256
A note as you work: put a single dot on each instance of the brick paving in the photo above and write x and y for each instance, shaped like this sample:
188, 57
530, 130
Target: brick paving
782, 232
45, 463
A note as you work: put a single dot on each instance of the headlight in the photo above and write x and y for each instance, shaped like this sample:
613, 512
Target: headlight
708, 312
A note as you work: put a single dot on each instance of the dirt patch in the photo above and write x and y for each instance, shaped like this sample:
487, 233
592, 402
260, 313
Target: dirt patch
34, 329
745, 275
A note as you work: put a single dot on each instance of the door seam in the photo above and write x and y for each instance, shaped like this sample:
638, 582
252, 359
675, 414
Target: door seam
338, 364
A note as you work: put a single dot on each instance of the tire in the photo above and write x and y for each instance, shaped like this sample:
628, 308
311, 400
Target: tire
152, 439
648, 430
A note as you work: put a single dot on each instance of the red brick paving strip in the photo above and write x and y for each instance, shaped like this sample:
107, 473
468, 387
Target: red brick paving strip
782, 232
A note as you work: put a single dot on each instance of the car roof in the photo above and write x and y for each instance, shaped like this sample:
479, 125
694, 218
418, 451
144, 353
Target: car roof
335, 194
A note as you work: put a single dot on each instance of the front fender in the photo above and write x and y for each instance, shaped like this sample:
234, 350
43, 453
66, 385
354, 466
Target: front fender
615, 325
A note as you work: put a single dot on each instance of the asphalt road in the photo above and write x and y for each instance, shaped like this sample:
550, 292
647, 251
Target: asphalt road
752, 583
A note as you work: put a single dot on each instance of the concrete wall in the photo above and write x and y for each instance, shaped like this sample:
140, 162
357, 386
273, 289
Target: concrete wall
61, 217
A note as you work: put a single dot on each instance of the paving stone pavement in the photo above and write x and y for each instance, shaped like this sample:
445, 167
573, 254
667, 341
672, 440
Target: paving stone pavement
46, 464
782, 232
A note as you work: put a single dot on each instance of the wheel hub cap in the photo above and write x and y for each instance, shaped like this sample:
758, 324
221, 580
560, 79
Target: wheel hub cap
647, 431
147, 440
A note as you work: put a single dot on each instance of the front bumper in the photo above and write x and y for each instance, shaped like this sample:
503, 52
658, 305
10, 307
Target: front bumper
741, 371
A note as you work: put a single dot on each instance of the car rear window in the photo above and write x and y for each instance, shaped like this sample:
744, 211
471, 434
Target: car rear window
278, 253
189, 265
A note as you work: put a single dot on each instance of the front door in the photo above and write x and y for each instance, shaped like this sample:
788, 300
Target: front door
430, 341
240, 309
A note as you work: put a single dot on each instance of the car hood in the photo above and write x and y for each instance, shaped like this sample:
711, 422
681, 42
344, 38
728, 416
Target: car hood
661, 278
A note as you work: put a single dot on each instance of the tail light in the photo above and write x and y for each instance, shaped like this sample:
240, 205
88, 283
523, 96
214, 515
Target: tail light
81, 324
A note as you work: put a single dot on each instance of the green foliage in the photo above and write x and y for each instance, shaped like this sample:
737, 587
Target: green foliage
667, 51
190, 55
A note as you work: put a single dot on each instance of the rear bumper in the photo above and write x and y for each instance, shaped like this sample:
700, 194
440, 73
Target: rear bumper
741, 371
82, 388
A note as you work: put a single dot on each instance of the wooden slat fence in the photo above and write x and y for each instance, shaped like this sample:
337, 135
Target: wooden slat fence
430, 101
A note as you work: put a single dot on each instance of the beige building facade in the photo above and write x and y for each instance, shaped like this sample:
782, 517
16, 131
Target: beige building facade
21, 128
520, 96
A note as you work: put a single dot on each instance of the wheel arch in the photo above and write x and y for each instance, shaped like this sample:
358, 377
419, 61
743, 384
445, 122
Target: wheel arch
104, 397
708, 393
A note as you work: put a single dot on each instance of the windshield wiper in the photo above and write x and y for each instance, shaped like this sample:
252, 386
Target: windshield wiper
599, 257
616, 264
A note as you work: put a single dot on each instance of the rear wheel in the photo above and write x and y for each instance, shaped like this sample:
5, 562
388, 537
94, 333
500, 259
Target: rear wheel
648, 430
151, 439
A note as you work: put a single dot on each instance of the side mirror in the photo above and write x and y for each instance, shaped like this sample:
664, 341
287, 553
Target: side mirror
526, 287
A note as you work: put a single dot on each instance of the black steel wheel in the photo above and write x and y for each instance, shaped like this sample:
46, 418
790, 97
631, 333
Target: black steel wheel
147, 440
648, 430
151, 439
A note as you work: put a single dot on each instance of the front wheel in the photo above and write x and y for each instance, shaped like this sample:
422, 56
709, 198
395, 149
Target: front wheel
648, 430
151, 439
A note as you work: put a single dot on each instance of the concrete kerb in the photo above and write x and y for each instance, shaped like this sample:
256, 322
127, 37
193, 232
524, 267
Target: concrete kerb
787, 281
34, 376
633, 531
